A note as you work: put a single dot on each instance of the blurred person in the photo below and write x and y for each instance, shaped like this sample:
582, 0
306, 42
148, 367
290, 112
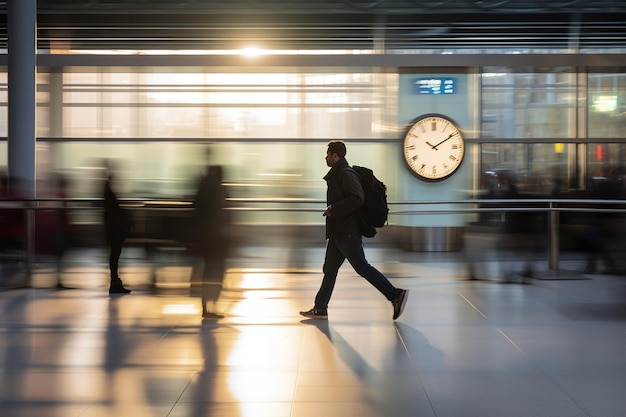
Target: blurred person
210, 239
597, 231
502, 184
52, 225
12, 227
344, 196
117, 225
13, 216
515, 230
295, 236
521, 229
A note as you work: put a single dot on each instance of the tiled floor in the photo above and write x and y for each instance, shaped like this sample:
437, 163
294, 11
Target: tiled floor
461, 349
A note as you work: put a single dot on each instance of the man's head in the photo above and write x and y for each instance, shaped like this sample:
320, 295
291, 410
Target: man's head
336, 151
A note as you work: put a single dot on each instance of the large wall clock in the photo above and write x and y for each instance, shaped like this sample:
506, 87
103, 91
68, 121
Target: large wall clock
433, 147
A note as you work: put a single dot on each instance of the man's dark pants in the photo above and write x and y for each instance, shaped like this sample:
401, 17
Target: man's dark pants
350, 248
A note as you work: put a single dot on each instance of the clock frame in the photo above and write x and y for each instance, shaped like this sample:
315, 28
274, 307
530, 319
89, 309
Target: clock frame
433, 147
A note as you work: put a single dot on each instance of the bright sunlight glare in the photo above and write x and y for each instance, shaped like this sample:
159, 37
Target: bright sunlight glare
252, 51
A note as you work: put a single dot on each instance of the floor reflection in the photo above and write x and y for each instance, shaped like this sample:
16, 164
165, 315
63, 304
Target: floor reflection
470, 348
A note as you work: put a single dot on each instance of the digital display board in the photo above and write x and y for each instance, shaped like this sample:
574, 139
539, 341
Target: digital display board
435, 85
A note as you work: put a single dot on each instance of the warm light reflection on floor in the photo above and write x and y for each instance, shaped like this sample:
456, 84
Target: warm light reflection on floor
461, 348
256, 376
257, 279
261, 363
256, 297
264, 294
182, 308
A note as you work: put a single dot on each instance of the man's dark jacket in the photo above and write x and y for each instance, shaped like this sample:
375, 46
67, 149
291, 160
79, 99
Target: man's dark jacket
344, 195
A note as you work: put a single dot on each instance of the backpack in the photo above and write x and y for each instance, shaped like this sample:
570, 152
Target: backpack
375, 210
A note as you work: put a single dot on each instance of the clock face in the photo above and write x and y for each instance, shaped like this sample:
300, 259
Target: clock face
433, 148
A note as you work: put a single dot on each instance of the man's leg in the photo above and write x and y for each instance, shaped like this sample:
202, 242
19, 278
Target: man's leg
116, 285
352, 249
114, 258
212, 282
332, 262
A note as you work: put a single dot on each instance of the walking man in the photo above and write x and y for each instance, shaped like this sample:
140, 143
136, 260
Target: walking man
344, 196
117, 224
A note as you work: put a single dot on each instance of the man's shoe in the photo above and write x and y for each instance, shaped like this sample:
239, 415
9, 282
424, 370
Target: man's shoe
119, 291
399, 302
62, 287
118, 288
315, 313
215, 316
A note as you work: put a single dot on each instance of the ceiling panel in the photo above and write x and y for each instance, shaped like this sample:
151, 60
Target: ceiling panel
381, 25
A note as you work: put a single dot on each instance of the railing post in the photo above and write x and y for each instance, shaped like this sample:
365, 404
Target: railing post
553, 228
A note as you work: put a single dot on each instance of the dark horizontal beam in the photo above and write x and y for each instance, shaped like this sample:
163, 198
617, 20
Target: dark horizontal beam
329, 6
358, 62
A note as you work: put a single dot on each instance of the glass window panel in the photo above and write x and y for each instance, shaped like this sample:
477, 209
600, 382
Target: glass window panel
264, 171
81, 122
77, 77
42, 120
504, 155
536, 168
4, 121
606, 110
547, 168
82, 97
3, 158
229, 105
606, 169
528, 104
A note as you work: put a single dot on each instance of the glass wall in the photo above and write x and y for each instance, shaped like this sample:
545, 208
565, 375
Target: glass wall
607, 103
161, 128
154, 103
522, 106
606, 157
528, 103
269, 129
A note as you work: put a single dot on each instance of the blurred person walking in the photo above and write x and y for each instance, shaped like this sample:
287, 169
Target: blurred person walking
117, 225
210, 239
52, 225
344, 196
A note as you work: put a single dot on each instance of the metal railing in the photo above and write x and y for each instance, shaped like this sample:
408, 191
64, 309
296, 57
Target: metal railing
552, 207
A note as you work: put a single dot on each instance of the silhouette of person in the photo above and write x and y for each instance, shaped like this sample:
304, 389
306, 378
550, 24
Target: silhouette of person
12, 220
13, 232
344, 196
62, 230
53, 226
522, 229
210, 225
117, 224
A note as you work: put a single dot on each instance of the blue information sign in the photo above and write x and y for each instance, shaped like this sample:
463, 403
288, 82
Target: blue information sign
435, 85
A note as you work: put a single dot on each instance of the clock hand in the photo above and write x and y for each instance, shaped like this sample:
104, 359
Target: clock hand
430, 144
435, 147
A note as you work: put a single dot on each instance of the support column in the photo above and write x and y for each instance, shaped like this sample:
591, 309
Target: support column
22, 60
